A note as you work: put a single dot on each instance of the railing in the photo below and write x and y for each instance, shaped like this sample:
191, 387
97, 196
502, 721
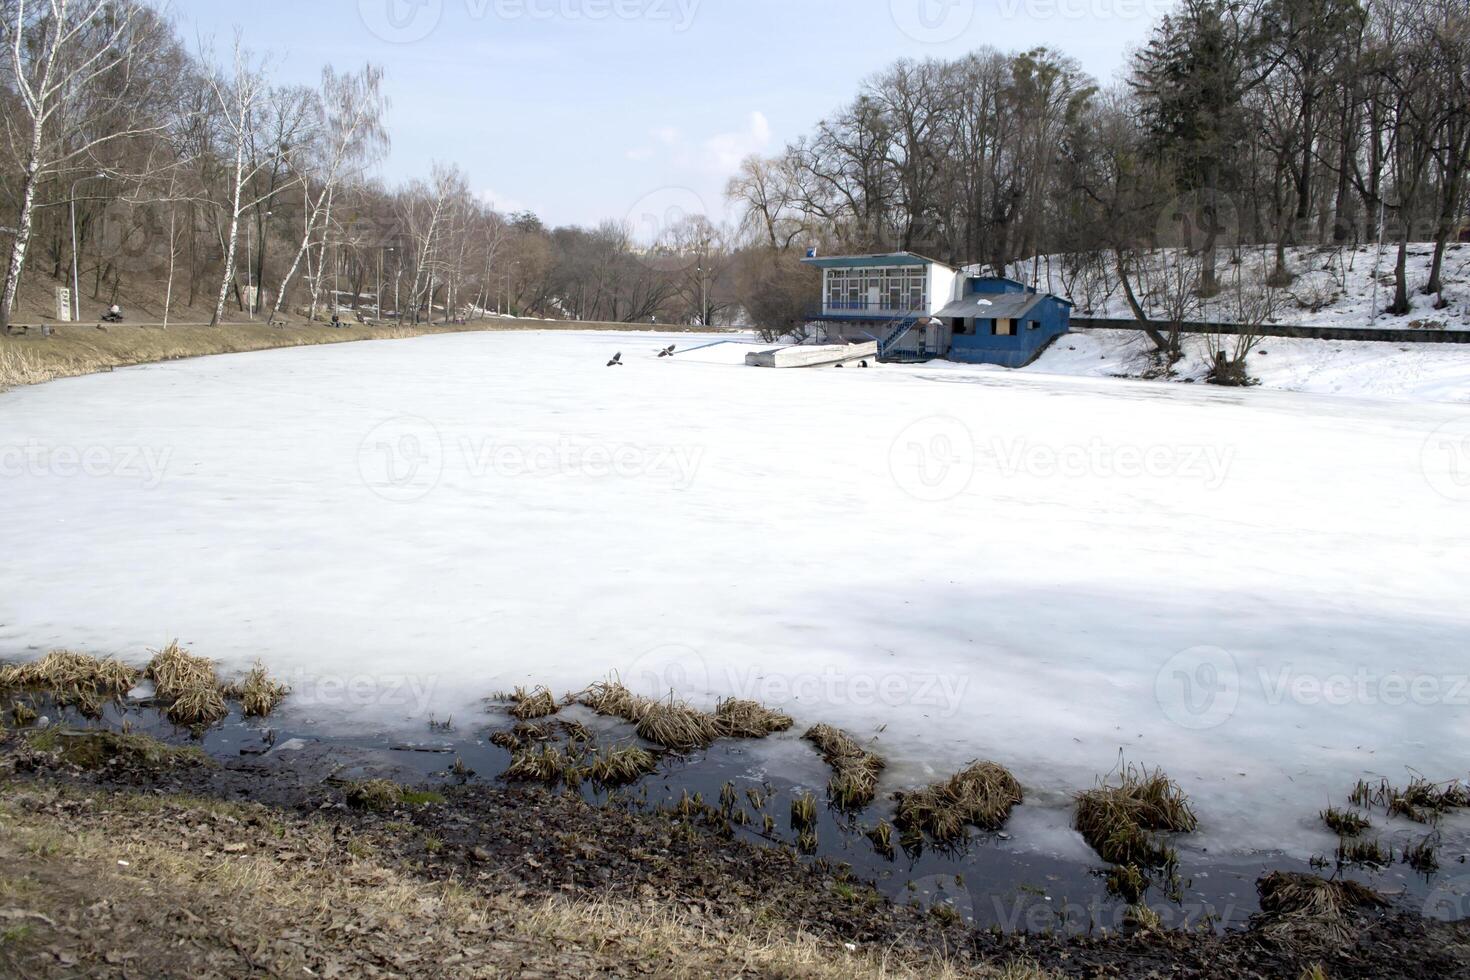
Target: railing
899, 332
864, 307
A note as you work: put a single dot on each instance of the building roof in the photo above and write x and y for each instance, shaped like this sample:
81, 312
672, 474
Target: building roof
869, 261
993, 306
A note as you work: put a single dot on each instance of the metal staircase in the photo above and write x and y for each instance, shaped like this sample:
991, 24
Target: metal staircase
899, 332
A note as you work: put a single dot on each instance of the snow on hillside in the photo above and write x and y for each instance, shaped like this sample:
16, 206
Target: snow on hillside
1260, 591
1425, 372
1334, 287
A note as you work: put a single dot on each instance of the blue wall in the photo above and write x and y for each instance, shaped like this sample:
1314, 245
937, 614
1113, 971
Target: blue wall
1048, 319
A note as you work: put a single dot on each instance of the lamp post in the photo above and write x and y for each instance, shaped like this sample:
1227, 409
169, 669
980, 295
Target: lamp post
76, 289
381, 252
250, 283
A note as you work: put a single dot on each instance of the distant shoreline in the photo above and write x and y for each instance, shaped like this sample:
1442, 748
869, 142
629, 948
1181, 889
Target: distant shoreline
73, 350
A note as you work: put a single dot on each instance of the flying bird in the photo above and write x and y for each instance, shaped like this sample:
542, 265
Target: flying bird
617, 360
669, 352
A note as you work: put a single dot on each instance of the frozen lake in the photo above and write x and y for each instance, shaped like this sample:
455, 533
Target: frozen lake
1262, 592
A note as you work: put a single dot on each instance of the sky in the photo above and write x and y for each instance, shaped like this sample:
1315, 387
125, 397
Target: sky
591, 110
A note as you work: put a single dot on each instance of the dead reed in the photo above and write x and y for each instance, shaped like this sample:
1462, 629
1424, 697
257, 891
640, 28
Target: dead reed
1307, 910
1120, 821
749, 719
530, 705
259, 695
619, 767
855, 772
982, 795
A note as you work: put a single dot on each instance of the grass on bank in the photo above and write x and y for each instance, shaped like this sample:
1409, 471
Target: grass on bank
187, 686
299, 877
80, 348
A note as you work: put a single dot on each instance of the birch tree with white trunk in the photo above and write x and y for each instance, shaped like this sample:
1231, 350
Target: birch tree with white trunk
350, 137
238, 100
70, 62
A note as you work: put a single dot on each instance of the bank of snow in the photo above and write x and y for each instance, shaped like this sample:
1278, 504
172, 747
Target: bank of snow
1420, 372
1044, 570
1333, 286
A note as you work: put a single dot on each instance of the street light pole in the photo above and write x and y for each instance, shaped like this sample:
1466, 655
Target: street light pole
381, 252
76, 285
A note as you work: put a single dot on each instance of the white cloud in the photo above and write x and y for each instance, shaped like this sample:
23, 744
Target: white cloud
503, 203
722, 153
718, 155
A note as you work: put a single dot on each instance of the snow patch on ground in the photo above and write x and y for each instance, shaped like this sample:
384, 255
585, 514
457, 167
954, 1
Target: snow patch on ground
1420, 372
960, 563
1339, 280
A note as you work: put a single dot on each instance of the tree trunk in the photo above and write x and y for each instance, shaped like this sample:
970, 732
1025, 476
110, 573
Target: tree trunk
22, 233
1401, 305
233, 242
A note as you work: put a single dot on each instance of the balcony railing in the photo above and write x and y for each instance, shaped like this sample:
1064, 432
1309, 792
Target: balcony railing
867, 307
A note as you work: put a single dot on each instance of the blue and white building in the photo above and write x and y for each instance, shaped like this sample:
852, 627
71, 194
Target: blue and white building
918, 309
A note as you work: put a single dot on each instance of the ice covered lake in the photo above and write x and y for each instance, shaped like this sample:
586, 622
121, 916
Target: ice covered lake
1262, 592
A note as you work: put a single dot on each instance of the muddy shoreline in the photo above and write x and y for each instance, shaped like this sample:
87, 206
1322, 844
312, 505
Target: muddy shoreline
474, 831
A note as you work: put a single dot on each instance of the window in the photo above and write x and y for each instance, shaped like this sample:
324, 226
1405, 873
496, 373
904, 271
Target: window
887, 289
1004, 328
1032, 324
962, 327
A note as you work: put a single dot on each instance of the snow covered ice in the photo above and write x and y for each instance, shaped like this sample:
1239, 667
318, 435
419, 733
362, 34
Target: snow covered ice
1260, 591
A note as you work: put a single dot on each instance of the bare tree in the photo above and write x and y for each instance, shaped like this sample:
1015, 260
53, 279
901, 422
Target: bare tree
70, 62
349, 137
238, 100
1248, 303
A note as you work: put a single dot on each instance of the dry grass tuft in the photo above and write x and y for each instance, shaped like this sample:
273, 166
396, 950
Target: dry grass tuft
537, 703
175, 672
671, 724
882, 838
189, 685
855, 772
610, 698
1363, 854
16, 368
982, 795
1345, 823
544, 765
1119, 821
1421, 801
1308, 910
675, 725
749, 719
619, 767
804, 812
63, 671
74, 680
257, 693
200, 706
